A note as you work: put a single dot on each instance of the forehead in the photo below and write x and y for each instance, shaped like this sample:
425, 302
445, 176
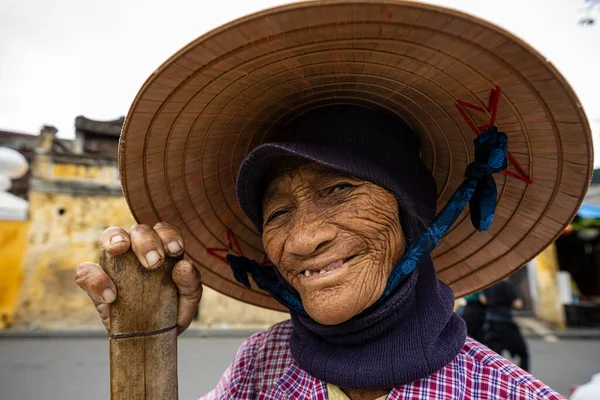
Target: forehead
286, 170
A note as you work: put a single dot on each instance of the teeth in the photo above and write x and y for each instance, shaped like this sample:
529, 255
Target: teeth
322, 271
307, 273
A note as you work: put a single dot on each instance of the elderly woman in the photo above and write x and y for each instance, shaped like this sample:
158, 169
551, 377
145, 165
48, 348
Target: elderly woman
349, 126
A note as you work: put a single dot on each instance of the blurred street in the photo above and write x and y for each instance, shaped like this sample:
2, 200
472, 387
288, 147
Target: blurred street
77, 368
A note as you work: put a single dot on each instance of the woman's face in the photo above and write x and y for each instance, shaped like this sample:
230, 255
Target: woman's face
334, 238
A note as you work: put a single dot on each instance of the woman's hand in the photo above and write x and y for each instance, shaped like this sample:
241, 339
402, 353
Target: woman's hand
151, 246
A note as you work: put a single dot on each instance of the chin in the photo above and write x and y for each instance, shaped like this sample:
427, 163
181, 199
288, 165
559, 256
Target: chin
332, 312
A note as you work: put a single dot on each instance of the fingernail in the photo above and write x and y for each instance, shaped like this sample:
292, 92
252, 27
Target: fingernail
108, 296
152, 258
174, 247
117, 239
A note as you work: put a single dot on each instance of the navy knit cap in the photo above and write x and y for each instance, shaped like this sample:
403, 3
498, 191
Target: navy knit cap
366, 143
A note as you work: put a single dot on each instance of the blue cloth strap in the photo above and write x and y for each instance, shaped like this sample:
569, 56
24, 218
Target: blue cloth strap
478, 189
267, 279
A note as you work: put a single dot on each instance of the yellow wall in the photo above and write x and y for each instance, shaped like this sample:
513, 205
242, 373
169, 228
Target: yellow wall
549, 307
105, 174
64, 233
13, 245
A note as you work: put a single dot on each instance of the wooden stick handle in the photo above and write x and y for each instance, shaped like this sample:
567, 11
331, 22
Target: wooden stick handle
143, 329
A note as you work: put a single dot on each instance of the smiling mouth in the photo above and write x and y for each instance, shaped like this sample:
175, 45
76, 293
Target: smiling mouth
326, 269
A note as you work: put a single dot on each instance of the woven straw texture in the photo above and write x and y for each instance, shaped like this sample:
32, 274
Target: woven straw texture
204, 109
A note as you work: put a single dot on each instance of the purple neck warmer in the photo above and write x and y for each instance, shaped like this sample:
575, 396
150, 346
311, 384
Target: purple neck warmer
409, 336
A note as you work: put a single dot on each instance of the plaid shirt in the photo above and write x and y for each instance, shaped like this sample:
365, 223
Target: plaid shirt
264, 369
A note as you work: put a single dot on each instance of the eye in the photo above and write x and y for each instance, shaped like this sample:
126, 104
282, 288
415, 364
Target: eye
340, 187
276, 214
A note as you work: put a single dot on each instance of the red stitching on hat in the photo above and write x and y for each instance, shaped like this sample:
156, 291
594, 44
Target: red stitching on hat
492, 108
231, 242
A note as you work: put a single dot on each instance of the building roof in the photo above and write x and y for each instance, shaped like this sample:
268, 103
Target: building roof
26, 142
100, 128
25, 139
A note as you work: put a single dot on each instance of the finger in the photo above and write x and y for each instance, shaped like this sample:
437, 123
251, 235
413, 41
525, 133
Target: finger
171, 237
96, 283
104, 312
147, 246
189, 285
115, 240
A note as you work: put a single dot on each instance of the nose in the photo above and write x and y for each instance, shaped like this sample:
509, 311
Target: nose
310, 232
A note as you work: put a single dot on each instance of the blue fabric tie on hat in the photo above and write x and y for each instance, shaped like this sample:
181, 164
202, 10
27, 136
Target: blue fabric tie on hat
478, 189
267, 279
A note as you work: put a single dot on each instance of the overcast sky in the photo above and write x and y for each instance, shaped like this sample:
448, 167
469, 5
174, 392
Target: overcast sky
63, 58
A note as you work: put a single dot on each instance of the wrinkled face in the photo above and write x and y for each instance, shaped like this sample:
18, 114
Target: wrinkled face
334, 238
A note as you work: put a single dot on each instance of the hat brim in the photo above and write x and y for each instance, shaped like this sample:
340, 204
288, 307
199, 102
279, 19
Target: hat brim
208, 106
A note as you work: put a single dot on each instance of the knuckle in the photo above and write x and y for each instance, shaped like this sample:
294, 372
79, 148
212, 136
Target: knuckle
139, 228
91, 282
162, 226
103, 310
143, 238
196, 295
166, 229
187, 267
191, 289
179, 275
184, 271
82, 272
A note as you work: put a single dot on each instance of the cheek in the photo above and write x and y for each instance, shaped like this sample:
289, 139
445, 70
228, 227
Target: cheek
375, 219
273, 242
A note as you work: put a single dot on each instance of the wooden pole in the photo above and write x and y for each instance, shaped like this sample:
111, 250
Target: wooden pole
143, 330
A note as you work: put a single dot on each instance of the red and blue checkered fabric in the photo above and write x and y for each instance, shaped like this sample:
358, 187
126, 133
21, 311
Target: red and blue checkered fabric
264, 369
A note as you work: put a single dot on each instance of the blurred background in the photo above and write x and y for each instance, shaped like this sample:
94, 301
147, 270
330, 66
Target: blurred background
68, 73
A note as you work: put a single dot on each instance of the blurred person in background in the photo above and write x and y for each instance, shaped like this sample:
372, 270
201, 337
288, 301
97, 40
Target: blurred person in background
501, 330
473, 312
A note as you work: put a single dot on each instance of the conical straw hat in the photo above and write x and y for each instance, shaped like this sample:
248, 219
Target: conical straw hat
444, 72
